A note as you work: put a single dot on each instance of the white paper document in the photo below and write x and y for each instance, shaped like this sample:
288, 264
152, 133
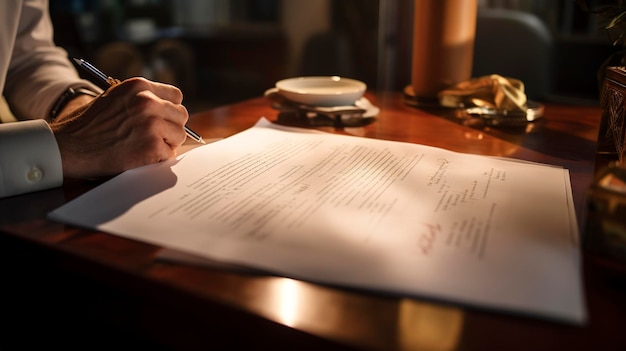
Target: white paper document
399, 218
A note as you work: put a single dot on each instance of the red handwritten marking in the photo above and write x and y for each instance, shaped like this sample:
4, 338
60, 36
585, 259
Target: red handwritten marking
426, 241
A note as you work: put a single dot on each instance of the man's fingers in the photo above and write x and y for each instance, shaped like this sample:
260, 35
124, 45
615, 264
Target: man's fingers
135, 85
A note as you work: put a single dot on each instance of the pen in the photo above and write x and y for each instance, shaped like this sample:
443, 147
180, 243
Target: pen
109, 81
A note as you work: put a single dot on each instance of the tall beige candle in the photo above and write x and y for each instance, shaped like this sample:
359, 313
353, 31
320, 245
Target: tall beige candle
443, 45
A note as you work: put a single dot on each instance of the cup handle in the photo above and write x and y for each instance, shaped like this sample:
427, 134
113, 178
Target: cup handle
271, 91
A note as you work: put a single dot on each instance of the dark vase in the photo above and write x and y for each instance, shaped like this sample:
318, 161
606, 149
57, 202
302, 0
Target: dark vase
612, 86
605, 232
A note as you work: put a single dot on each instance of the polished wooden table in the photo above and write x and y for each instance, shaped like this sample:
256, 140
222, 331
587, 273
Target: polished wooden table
78, 288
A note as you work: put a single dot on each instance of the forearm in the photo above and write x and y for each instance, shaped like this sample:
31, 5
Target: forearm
38, 71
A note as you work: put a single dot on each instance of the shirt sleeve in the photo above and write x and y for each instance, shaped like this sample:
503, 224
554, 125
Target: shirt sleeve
39, 71
30, 159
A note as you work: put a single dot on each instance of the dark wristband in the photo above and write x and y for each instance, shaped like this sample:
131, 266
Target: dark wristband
68, 95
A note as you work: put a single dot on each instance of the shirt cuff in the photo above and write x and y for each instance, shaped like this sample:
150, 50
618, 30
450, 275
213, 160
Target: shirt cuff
30, 159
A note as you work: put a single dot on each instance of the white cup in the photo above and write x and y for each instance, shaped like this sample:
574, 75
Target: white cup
324, 91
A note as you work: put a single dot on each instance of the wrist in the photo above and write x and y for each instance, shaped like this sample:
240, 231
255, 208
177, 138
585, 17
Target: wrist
71, 99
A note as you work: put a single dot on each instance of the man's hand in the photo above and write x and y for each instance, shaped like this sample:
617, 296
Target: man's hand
132, 124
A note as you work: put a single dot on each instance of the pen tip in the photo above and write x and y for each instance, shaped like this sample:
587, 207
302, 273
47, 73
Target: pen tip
202, 141
78, 61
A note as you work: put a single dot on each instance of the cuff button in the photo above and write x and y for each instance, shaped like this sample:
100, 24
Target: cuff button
34, 174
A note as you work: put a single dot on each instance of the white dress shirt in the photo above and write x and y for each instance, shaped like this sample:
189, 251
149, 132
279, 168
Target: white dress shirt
34, 73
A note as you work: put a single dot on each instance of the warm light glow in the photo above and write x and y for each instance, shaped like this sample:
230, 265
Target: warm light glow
474, 135
288, 301
423, 326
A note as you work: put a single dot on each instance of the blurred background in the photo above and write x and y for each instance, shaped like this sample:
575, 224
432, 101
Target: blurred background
223, 51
